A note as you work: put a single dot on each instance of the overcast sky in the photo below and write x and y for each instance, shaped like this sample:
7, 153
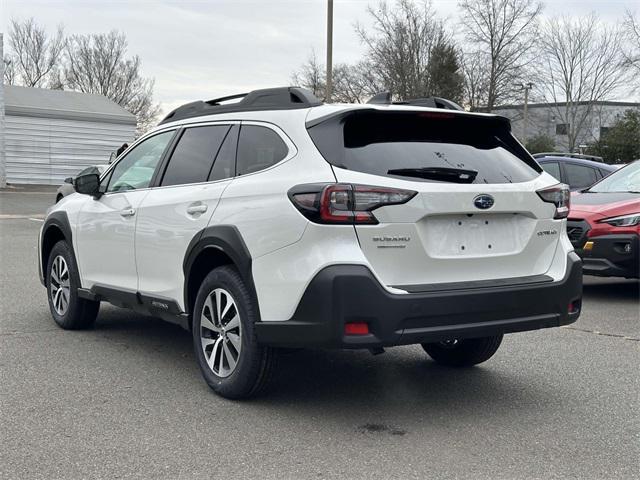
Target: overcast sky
204, 49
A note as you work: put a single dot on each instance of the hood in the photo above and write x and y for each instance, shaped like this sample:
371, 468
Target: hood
604, 204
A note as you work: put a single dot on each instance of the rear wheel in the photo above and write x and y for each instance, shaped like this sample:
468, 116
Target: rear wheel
231, 361
463, 353
67, 309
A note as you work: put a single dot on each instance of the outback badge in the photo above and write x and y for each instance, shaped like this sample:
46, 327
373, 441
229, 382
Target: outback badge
484, 201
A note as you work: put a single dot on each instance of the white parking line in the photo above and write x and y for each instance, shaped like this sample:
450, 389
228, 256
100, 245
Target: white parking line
28, 192
30, 216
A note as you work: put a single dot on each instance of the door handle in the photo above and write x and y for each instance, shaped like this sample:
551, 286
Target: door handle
195, 209
128, 212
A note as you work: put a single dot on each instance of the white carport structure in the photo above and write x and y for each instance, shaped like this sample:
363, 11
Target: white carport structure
52, 134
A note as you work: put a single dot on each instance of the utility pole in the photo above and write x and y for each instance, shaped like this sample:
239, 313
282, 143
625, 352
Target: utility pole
329, 86
3, 170
526, 87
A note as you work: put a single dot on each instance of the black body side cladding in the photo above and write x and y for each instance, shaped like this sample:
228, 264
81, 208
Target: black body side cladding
158, 307
226, 238
340, 294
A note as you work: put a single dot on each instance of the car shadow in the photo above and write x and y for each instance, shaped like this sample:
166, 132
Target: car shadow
402, 383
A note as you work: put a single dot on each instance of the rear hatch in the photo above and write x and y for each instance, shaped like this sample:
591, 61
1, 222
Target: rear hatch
475, 215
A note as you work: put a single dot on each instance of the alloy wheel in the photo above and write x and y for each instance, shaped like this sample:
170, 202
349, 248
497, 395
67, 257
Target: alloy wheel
60, 290
221, 332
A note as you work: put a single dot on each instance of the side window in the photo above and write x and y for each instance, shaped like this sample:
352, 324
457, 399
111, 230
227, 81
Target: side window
225, 163
579, 176
552, 168
258, 148
192, 159
136, 169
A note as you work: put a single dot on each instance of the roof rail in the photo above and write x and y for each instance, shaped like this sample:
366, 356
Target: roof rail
384, 98
594, 158
282, 98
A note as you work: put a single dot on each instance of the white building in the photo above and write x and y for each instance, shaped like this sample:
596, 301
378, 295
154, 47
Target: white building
546, 119
52, 134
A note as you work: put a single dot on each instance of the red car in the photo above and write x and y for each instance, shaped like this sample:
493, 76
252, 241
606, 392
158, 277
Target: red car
604, 224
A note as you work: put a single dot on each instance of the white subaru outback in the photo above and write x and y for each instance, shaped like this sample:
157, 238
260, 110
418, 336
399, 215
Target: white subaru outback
272, 220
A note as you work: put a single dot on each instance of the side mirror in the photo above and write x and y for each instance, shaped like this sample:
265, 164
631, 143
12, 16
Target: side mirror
88, 184
69, 180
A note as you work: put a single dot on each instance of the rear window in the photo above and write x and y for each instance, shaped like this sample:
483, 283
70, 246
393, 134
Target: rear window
377, 142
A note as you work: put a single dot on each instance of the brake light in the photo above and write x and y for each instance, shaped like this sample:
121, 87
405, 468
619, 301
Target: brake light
343, 203
560, 196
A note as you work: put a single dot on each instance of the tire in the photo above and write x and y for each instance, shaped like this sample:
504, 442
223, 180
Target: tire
216, 340
62, 279
463, 353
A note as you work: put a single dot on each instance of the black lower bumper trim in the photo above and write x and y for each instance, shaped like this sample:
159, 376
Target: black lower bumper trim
341, 294
612, 256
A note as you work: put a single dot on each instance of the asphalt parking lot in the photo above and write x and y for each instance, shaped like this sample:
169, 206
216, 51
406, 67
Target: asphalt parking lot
126, 400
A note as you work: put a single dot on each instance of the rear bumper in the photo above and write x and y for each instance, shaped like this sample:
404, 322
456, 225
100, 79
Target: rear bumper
341, 294
612, 256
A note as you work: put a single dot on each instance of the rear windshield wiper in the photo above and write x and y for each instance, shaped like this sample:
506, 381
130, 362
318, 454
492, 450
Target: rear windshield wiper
454, 175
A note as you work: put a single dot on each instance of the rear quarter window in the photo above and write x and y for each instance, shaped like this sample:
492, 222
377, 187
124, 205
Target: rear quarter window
375, 142
258, 148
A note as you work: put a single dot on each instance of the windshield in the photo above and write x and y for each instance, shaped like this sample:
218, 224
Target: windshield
627, 179
425, 147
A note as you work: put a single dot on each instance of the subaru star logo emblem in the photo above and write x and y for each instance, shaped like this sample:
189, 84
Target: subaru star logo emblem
483, 202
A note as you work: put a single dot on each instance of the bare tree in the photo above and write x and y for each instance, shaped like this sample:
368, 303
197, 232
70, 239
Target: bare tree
351, 83
400, 46
97, 63
9, 74
476, 81
36, 55
312, 75
354, 83
581, 63
631, 51
504, 33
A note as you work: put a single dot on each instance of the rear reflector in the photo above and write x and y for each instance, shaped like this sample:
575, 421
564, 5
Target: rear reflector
574, 307
356, 328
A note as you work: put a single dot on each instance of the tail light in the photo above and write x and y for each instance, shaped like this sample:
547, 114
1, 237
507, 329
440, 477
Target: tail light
560, 196
345, 204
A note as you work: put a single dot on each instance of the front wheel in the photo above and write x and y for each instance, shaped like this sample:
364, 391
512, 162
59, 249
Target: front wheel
233, 364
463, 353
67, 309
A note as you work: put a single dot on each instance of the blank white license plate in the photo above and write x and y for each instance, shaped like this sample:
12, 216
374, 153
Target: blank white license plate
475, 235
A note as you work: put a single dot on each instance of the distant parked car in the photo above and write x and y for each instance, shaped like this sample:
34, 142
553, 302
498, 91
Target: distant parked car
67, 187
604, 224
578, 173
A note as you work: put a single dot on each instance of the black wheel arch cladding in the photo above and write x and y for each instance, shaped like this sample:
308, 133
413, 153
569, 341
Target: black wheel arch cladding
56, 221
228, 240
